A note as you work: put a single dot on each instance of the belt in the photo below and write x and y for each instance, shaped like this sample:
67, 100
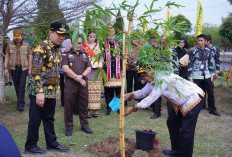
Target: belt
17, 66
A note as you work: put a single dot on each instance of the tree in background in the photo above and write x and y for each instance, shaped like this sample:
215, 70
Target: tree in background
226, 28
213, 30
118, 25
48, 10
191, 39
225, 44
187, 26
30, 36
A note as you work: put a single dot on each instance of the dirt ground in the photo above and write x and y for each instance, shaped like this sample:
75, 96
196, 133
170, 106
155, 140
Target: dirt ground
110, 148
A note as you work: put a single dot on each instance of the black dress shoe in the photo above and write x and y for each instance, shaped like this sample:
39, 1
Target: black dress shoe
10, 84
35, 150
107, 113
68, 132
87, 130
214, 112
155, 116
20, 108
171, 152
59, 148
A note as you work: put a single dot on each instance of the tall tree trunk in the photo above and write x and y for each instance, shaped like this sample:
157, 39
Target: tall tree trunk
1, 71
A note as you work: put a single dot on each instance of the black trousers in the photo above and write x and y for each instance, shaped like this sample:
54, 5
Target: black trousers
19, 78
208, 86
182, 129
130, 76
36, 115
109, 94
156, 106
62, 89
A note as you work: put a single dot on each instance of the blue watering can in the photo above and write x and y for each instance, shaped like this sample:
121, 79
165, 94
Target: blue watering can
115, 104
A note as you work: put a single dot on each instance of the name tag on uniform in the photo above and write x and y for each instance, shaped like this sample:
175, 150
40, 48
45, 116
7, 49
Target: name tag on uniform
70, 56
202, 66
85, 56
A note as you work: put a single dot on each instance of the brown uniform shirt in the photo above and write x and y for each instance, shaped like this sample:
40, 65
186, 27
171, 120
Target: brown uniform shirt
18, 59
77, 63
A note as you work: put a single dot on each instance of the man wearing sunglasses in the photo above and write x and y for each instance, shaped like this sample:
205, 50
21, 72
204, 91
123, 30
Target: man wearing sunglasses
18, 57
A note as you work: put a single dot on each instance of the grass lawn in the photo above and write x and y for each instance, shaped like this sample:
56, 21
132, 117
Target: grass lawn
213, 137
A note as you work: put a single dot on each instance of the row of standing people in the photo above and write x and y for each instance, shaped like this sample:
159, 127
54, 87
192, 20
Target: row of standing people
44, 81
43, 66
205, 54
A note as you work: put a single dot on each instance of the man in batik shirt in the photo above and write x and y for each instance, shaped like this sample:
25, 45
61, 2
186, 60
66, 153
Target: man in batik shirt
201, 70
44, 90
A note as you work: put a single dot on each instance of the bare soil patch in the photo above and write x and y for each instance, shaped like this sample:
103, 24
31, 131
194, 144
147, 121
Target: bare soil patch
110, 147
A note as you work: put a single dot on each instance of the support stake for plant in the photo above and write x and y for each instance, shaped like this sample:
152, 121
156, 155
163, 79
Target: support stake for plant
122, 98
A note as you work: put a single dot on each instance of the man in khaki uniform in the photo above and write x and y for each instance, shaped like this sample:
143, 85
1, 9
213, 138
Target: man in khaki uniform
18, 56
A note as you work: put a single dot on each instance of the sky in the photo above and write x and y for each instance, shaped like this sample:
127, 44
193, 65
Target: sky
213, 10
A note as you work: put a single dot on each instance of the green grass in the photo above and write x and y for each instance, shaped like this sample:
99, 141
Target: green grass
213, 134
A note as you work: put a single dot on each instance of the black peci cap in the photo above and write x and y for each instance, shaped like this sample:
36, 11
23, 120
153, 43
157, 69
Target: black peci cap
59, 27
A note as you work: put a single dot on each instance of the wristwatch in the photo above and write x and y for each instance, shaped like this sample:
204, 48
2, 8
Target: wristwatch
134, 109
83, 77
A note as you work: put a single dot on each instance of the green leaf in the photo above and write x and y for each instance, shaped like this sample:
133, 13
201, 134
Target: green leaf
75, 38
84, 35
152, 11
152, 3
75, 33
104, 75
97, 6
146, 7
96, 75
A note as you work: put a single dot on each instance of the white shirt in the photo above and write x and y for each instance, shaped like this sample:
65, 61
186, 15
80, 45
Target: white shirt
185, 100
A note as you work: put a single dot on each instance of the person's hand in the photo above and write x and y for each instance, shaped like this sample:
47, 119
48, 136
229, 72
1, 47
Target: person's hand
134, 63
183, 64
40, 99
128, 111
191, 80
78, 78
228, 81
212, 78
29, 72
83, 83
127, 96
143, 81
6, 72
215, 76
57, 94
